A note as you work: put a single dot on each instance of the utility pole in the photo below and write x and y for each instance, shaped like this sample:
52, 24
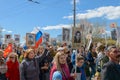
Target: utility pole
74, 13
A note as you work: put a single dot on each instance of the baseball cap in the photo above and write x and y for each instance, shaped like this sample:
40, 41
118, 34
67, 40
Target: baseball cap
60, 49
109, 48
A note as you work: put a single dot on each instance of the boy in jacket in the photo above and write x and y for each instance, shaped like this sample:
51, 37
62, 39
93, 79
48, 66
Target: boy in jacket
79, 68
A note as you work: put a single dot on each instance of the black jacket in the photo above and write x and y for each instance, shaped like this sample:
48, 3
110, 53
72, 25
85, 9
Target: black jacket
110, 71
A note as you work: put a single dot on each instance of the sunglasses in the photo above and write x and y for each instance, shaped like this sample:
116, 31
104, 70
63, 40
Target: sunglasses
12, 57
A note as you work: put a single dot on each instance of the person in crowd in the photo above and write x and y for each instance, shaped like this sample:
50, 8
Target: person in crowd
21, 56
60, 64
69, 63
29, 68
18, 51
13, 67
3, 67
79, 68
101, 54
111, 70
44, 65
91, 60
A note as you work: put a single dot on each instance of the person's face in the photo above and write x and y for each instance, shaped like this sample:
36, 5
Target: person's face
80, 63
93, 50
12, 58
62, 59
41, 49
78, 34
31, 55
114, 54
81, 50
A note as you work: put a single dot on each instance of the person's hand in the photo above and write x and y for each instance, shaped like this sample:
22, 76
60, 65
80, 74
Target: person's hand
44, 67
88, 63
74, 75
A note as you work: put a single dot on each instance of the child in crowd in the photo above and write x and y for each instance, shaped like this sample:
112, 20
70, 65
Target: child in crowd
79, 69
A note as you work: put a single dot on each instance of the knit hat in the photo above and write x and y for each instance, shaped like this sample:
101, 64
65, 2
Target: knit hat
57, 75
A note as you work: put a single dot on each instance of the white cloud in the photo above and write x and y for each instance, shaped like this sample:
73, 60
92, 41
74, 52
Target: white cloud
9, 31
109, 12
3, 30
77, 1
60, 26
38, 27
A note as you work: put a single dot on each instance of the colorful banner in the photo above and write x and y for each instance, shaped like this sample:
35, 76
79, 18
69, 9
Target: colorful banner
8, 50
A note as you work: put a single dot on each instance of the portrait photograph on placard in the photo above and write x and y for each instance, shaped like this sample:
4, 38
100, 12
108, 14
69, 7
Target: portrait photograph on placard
66, 34
46, 37
17, 38
8, 37
76, 37
30, 39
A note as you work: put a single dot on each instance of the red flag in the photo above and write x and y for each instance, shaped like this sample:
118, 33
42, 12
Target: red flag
38, 42
7, 50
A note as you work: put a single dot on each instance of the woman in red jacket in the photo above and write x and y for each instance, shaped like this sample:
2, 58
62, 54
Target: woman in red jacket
60, 64
13, 67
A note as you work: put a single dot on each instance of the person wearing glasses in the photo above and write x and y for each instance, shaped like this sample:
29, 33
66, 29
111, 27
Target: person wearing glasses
13, 67
111, 70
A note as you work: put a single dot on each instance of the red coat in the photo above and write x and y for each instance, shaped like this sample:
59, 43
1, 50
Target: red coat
13, 71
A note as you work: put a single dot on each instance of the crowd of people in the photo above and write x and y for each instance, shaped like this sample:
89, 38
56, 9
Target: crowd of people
61, 63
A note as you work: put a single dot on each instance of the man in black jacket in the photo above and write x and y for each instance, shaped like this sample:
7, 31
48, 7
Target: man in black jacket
111, 70
45, 60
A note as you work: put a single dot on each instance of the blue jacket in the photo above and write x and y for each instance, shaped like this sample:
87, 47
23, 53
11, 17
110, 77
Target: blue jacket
80, 70
90, 57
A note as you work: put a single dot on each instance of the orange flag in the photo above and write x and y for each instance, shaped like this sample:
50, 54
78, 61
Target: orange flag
7, 50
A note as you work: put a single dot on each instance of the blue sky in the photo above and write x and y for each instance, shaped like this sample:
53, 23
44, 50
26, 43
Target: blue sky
21, 16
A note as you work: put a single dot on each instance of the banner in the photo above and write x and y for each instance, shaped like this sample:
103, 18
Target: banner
8, 50
17, 38
76, 37
46, 37
66, 34
30, 39
8, 38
